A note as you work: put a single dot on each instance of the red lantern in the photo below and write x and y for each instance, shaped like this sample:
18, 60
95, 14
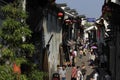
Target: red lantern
60, 14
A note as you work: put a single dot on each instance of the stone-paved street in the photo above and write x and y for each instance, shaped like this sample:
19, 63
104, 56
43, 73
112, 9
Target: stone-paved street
78, 63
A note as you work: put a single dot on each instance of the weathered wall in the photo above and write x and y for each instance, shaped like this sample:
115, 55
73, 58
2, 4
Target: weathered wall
52, 27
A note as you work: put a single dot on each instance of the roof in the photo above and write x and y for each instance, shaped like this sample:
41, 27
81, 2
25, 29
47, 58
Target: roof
90, 28
62, 5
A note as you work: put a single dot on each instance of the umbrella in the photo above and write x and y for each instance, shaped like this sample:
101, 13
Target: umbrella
94, 47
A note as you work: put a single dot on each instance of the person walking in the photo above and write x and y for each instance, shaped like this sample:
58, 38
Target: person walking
74, 72
92, 59
79, 74
63, 73
58, 68
71, 57
74, 54
56, 75
96, 75
83, 69
80, 53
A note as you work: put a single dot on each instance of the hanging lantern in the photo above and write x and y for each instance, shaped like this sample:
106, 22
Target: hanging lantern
60, 15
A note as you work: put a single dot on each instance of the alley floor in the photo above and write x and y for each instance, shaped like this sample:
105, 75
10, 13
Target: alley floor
78, 63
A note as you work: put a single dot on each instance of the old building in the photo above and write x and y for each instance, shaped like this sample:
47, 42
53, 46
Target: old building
110, 12
70, 30
47, 33
43, 20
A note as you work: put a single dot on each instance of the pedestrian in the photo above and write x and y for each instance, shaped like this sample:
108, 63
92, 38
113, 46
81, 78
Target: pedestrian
80, 53
96, 75
63, 73
75, 55
71, 58
83, 69
56, 75
74, 72
79, 74
92, 59
58, 68
84, 52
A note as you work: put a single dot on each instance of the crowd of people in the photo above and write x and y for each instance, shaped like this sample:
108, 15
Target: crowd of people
78, 72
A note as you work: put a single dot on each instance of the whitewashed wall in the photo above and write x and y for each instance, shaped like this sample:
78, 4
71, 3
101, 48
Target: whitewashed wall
51, 26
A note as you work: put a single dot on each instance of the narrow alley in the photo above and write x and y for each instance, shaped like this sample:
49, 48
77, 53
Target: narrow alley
79, 63
45, 39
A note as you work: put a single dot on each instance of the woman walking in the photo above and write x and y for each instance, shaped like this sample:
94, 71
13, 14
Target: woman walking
79, 74
74, 72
